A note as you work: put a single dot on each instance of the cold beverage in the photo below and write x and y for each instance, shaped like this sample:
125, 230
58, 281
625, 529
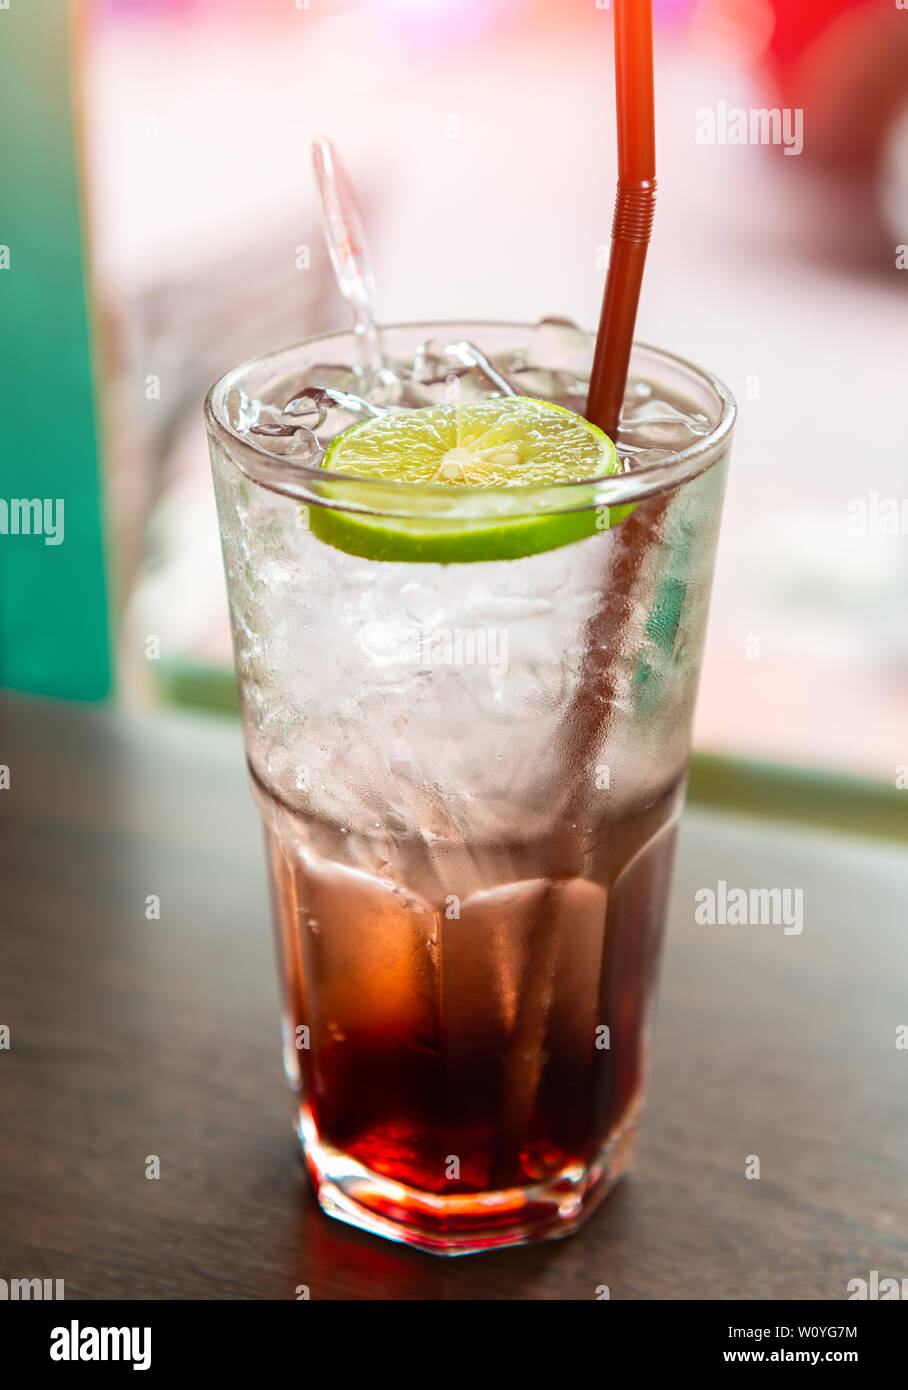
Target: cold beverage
470, 770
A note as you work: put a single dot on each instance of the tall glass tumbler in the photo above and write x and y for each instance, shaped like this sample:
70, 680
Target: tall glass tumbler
470, 777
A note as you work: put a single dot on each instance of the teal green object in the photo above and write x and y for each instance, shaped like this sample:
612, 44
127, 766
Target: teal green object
53, 598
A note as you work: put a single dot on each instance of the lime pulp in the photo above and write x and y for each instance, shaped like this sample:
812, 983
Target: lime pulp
500, 442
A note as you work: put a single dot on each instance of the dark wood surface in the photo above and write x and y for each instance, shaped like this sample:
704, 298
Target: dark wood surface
132, 1037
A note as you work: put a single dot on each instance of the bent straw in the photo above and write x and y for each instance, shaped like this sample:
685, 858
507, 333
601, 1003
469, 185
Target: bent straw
634, 208
631, 231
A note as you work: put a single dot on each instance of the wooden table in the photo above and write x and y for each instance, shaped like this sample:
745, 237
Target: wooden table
132, 1037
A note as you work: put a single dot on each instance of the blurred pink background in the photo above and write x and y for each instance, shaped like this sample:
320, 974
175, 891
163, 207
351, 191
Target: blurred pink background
481, 139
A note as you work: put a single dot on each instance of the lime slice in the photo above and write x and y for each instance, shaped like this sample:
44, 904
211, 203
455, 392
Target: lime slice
512, 441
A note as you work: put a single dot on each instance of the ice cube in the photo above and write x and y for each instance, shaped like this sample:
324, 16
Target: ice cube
329, 410
375, 382
560, 344
548, 385
288, 441
310, 408
456, 371
555, 364
661, 422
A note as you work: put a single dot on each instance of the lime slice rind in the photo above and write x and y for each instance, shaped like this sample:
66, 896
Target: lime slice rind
479, 449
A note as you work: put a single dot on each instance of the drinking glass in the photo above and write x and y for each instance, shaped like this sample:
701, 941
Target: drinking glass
470, 777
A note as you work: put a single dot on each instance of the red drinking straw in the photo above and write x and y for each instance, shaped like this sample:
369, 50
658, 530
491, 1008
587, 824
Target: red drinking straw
634, 207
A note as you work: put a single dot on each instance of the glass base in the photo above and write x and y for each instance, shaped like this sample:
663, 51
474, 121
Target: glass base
461, 1225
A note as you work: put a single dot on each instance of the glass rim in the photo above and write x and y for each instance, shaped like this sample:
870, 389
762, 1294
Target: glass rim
388, 497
